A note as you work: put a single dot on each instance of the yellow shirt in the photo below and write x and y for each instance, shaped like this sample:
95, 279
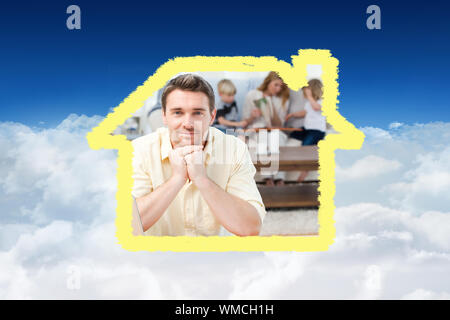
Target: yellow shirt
228, 164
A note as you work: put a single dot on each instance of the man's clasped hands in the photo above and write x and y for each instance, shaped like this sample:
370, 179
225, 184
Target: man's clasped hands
187, 163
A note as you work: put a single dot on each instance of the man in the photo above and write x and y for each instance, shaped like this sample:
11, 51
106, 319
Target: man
190, 178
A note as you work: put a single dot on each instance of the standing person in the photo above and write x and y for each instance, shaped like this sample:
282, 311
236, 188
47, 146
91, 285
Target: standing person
191, 179
266, 107
227, 116
315, 122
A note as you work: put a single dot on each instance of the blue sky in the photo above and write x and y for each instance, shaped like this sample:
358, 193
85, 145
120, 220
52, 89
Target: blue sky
398, 73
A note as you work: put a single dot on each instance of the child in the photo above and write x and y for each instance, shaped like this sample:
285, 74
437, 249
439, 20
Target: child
315, 123
227, 113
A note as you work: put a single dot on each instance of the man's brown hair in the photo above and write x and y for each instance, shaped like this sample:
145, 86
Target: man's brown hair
188, 82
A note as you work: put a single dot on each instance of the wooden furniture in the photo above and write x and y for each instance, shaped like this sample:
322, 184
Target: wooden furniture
290, 196
290, 159
274, 128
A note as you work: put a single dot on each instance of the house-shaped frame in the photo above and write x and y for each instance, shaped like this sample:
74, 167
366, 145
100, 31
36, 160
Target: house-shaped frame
295, 76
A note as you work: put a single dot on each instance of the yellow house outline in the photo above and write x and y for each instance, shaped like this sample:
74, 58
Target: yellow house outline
348, 137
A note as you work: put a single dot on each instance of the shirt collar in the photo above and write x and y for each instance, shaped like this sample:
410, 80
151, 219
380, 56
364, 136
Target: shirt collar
166, 145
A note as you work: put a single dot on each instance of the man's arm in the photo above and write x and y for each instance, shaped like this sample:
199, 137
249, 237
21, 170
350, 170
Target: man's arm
153, 205
235, 214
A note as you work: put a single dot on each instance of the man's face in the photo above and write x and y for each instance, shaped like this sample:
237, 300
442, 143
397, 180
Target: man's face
188, 117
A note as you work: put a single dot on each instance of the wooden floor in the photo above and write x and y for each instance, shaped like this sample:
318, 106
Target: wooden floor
289, 196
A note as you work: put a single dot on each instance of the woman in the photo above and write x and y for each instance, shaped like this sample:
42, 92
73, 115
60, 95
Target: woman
266, 107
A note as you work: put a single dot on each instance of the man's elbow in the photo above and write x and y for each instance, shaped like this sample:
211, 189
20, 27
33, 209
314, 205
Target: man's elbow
251, 229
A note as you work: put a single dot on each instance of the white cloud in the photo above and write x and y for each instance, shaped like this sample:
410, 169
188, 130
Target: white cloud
379, 253
411, 163
421, 294
10, 233
426, 184
372, 285
367, 167
376, 133
47, 237
51, 173
58, 209
430, 230
273, 275
395, 125
435, 226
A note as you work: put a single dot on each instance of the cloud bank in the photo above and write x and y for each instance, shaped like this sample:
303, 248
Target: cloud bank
57, 233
